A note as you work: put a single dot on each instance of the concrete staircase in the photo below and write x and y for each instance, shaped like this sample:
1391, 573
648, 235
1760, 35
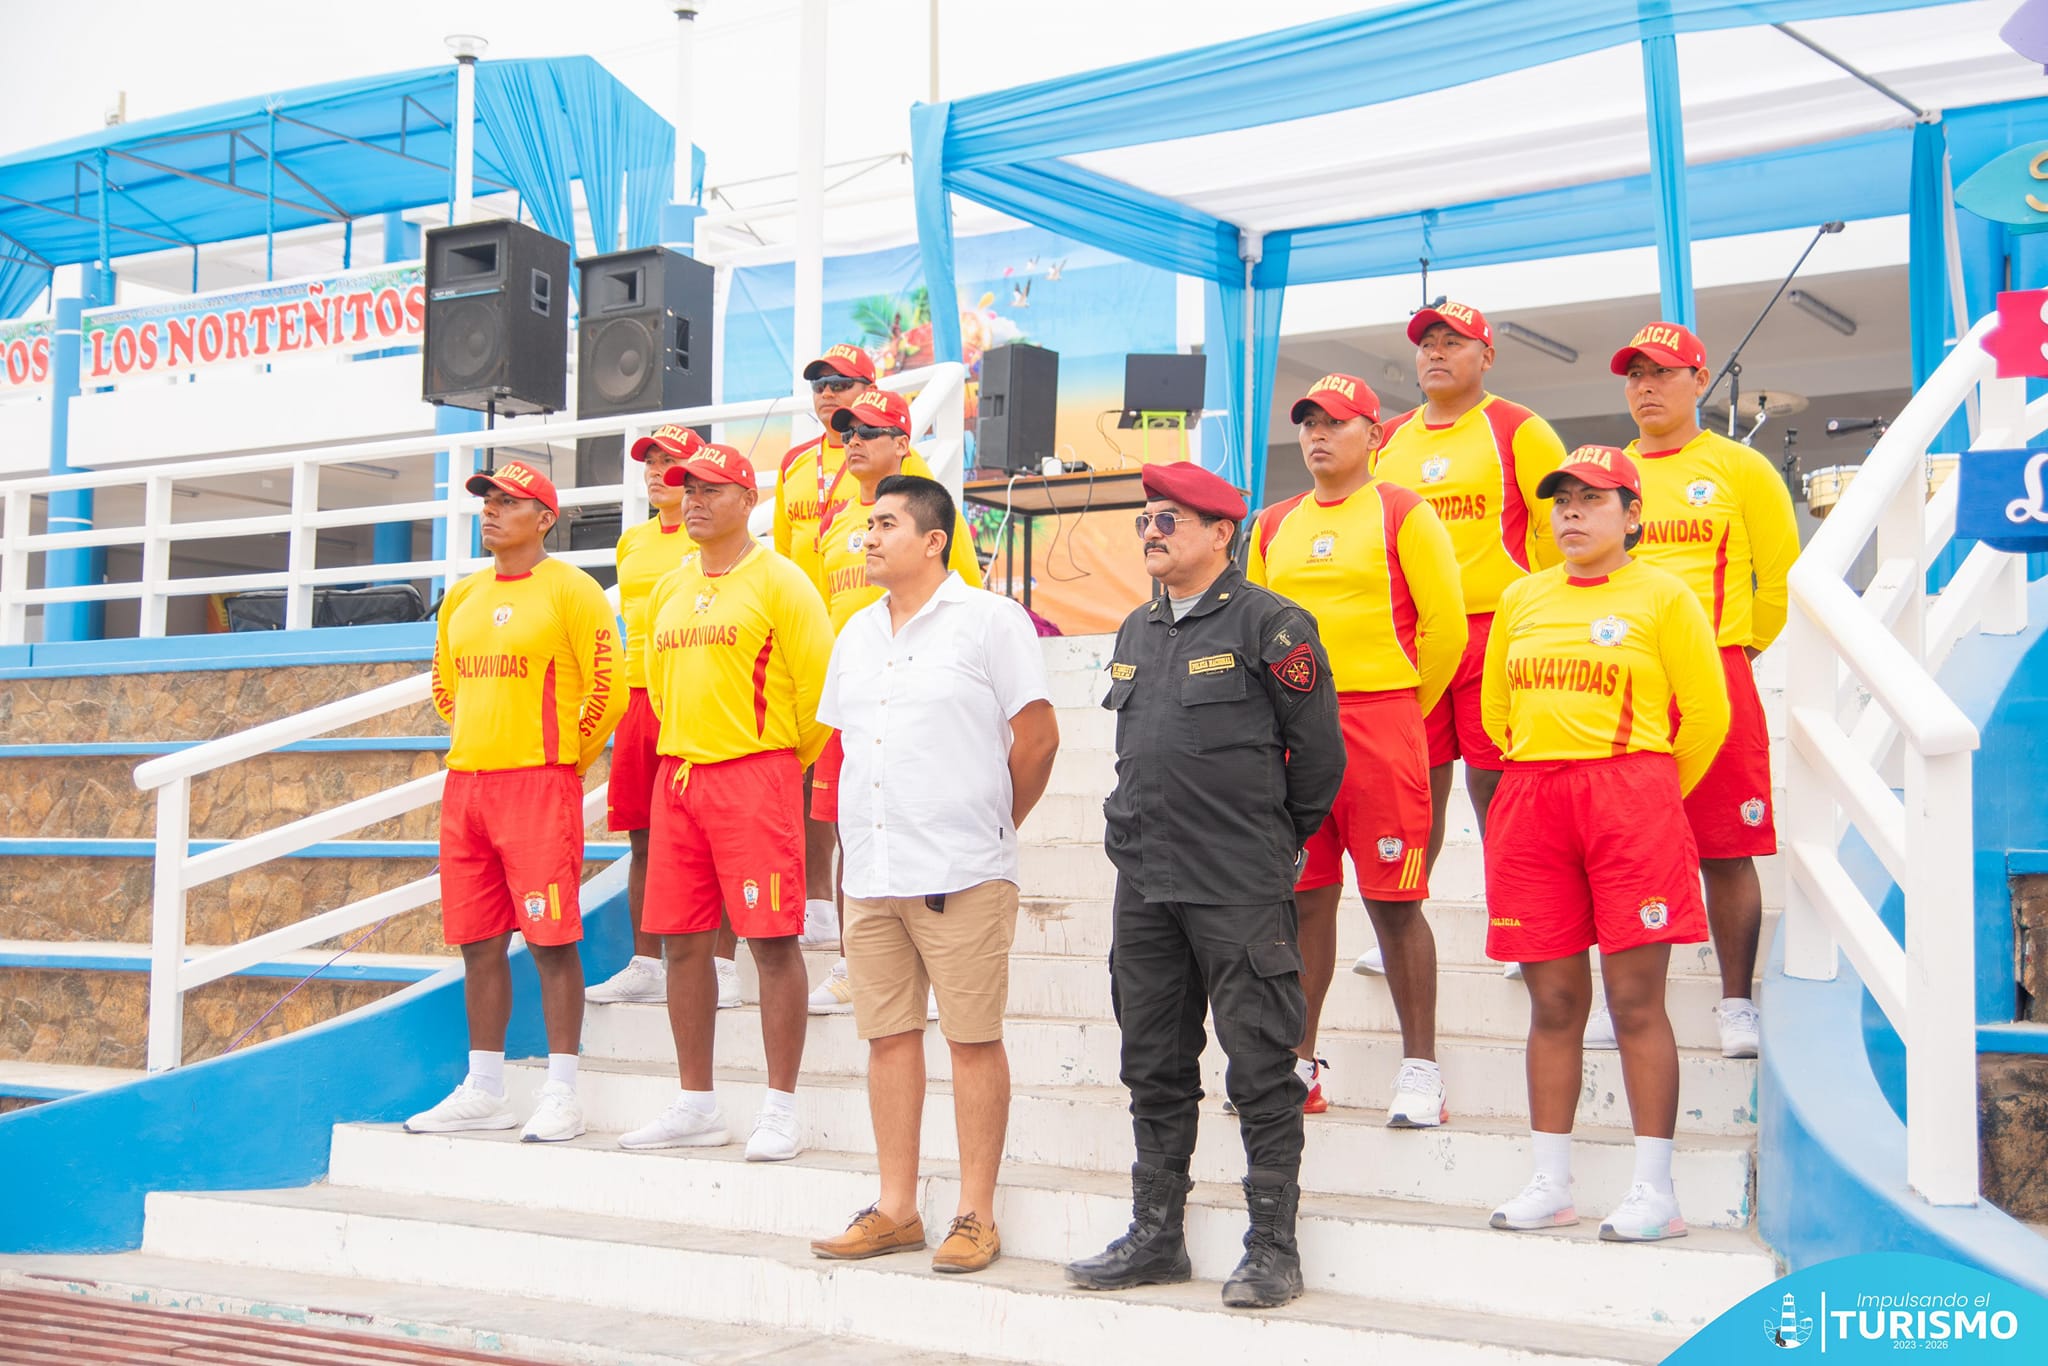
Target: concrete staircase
1400, 1262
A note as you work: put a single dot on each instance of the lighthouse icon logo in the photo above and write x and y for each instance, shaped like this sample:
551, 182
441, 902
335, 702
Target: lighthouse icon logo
1788, 1329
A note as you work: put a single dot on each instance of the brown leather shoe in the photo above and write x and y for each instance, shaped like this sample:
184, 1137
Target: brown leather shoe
871, 1234
970, 1245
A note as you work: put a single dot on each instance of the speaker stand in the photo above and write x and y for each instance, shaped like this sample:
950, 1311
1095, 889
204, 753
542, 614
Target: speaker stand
1176, 422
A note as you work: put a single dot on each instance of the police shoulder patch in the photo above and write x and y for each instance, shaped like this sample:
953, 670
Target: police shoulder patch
1297, 670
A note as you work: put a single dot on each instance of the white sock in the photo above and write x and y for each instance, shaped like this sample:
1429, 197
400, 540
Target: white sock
651, 964
703, 1102
1429, 1063
1727, 1001
781, 1103
487, 1071
562, 1068
1553, 1154
820, 908
1653, 1163
725, 965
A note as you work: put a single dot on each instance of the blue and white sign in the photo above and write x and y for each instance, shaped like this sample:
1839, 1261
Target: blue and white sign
1871, 1307
2002, 499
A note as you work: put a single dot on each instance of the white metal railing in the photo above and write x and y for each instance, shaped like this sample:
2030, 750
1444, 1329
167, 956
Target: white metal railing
175, 967
1876, 745
937, 408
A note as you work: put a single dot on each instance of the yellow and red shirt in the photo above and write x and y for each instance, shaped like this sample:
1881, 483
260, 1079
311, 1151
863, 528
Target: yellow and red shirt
1588, 668
843, 558
1716, 514
803, 484
1379, 574
526, 669
737, 660
1479, 475
646, 553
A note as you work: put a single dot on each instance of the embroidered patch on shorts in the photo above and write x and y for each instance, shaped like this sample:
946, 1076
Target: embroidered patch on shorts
1753, 811
1655, 913
1212, 664
1298, 669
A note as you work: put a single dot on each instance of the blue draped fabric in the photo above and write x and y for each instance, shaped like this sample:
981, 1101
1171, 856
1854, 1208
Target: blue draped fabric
1930, 326
345, 150
1666, 117
1004, 150
519, 106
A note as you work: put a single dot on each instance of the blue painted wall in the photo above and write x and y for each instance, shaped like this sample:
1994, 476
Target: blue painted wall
263, 1117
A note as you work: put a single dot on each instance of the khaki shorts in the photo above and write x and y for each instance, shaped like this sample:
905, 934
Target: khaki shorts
896, 947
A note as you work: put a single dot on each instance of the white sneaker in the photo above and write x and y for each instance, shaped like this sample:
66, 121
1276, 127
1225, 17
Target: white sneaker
1600, 1030
558, 1117
680, 1126
774, 1138
642, 979
834, 995
463, 1110
821, 924
931, 1003
1418, 1097
1644, 1217
1512, 971
1542, 1204
1371, 963
1739, 1027
728, 982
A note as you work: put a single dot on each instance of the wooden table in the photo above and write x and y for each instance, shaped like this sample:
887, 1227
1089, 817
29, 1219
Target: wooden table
1029, 496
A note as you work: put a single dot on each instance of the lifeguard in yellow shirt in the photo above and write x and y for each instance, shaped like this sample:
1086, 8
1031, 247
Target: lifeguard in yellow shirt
1716, 514
647, 552
1374, 566
808, 486
1476, 459
740, 642
526, 661
1589, 841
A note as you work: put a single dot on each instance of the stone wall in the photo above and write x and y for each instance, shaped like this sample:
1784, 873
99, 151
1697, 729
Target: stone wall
2012, 1109
101, 1019
200, 705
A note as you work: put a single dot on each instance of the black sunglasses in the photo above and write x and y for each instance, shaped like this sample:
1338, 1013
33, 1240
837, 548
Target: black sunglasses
867, 433
837, 384
1165, 521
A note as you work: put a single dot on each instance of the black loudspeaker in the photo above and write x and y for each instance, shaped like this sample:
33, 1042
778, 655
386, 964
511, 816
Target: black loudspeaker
497, 318
1017, 408
643, 345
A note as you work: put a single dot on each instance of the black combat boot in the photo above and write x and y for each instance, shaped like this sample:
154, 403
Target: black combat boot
1155, 1249
1270, 1274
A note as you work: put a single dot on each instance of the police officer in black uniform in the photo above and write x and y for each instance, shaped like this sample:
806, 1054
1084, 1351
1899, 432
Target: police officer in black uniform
1228, 756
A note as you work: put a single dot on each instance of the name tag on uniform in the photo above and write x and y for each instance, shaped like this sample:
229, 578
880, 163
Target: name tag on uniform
1122, 672
1212, 664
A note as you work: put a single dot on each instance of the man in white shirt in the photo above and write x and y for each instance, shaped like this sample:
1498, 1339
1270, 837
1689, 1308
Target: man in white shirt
939, 692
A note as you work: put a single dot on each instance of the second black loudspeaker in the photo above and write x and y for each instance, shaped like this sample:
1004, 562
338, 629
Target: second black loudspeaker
643, 344
1018, 407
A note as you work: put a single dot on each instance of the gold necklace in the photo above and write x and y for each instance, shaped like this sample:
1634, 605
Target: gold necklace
708, 594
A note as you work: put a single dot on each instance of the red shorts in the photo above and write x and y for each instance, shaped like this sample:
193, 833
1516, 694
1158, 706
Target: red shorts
1590, 851
1381, 817
634, 759
512, 855
1455, 730
1730, 809
727, 836
825, 780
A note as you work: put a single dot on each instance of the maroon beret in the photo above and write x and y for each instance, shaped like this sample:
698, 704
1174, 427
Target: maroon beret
1195, 489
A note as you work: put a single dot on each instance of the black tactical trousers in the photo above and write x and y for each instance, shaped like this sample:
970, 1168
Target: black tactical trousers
1170, 963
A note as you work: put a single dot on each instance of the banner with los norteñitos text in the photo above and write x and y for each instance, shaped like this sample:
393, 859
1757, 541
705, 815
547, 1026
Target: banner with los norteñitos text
357, 310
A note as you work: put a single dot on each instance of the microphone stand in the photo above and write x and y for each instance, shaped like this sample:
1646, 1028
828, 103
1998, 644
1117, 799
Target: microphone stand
1731, 369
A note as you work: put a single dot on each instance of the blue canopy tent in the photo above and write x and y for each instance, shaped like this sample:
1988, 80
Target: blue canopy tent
1154, 159
333, 153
